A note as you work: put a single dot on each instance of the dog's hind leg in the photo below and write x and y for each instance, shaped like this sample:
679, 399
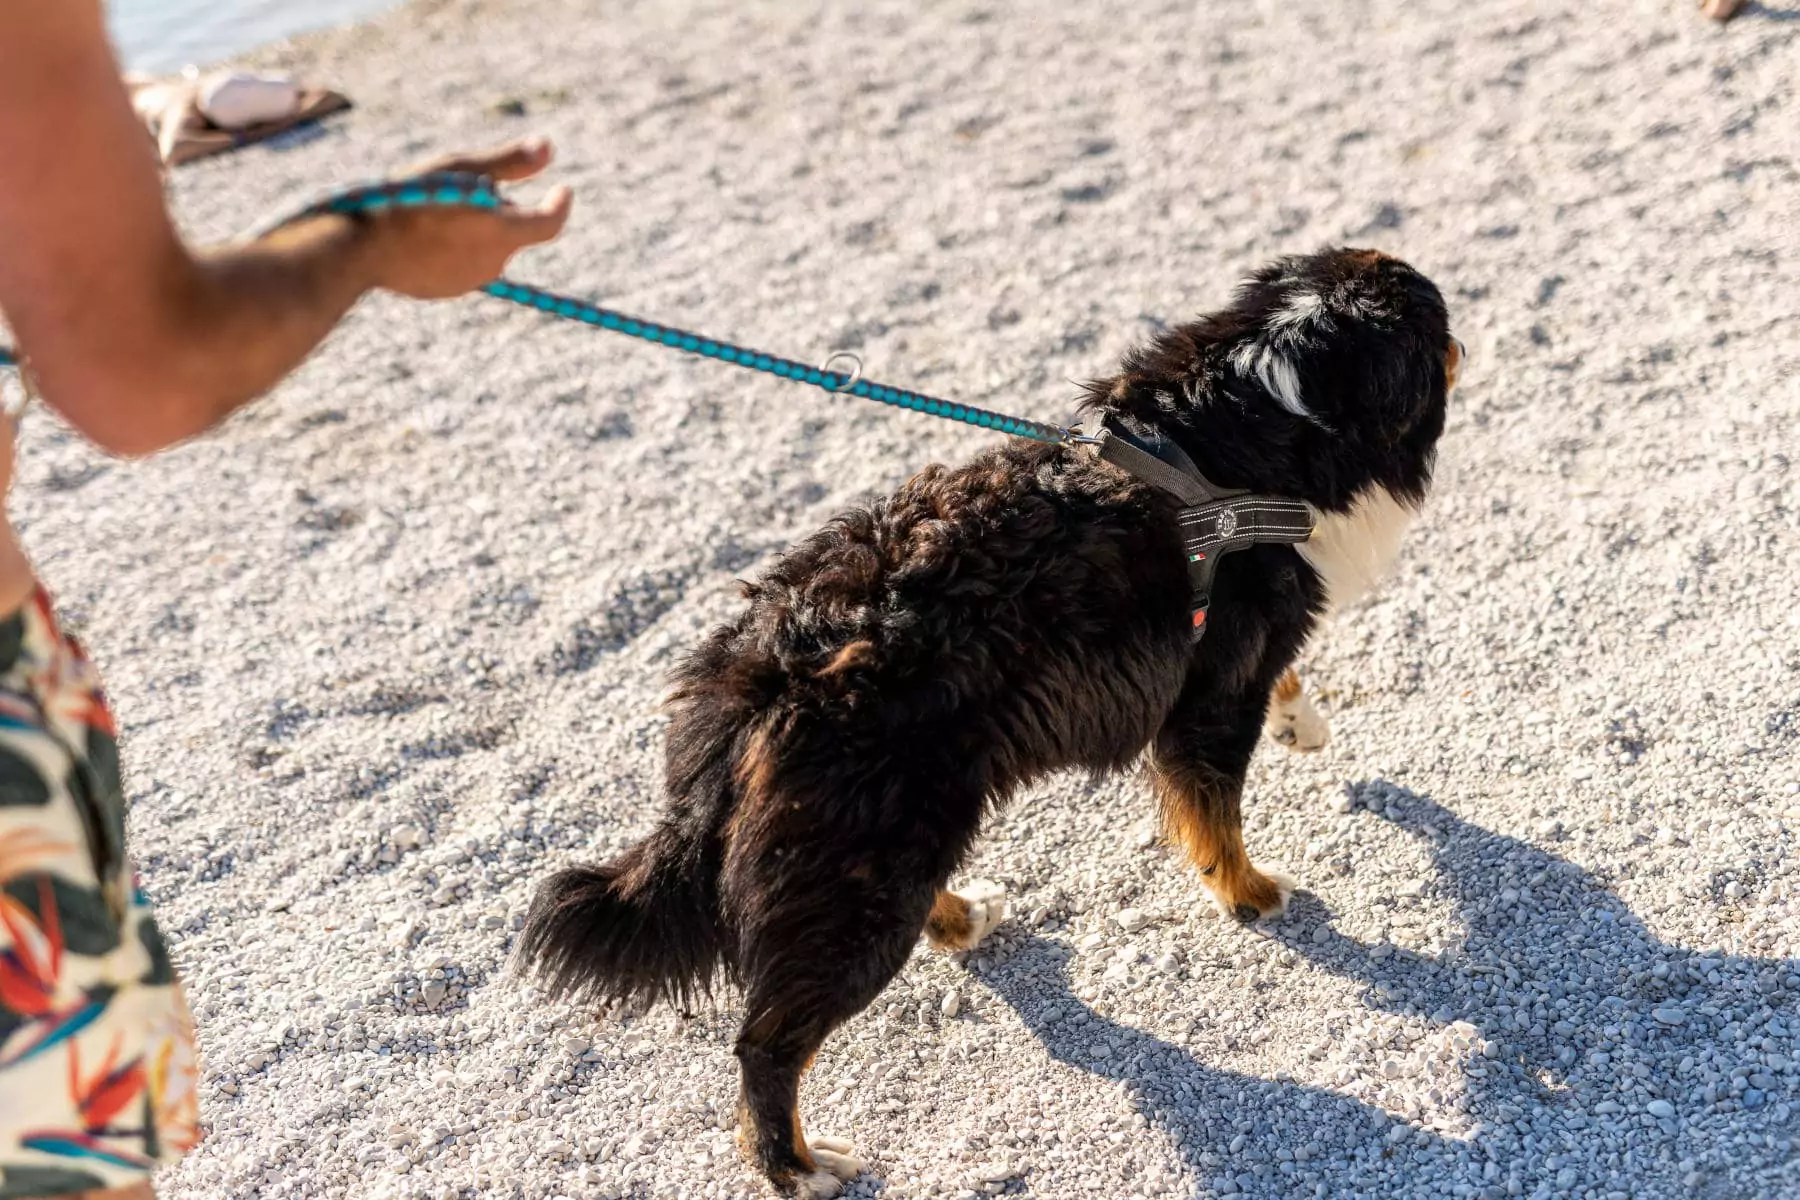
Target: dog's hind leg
818, 949
774, 1048
1293, 720
834, 854
1198, 765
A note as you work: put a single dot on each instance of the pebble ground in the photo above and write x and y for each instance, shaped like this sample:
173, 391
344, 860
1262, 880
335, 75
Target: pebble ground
388, 648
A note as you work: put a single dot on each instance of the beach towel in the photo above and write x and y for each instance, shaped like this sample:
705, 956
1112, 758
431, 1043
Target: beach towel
196, 115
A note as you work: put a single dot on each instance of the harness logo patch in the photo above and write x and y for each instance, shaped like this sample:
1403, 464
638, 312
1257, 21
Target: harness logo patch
1227, 523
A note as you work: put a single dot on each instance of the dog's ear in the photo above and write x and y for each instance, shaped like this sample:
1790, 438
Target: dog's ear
1405, 382
1377, 384
1350, 341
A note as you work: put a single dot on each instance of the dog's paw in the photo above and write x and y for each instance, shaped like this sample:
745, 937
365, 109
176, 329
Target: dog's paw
837, 1164
987, 908
1257, 896
1297, 724
818, 1185
960, 919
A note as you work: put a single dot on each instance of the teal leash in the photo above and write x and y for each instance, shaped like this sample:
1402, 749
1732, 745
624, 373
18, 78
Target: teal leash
837, 383
452, 189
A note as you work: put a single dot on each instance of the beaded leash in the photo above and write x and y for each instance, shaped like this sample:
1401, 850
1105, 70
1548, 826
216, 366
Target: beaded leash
453, 189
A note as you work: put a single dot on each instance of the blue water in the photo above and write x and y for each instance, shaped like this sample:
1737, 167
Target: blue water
165, 35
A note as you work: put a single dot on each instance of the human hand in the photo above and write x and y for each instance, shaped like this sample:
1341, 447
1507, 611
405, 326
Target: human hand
436, 253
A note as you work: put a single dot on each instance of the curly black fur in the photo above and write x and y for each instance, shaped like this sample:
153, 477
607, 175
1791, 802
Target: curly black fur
833, 750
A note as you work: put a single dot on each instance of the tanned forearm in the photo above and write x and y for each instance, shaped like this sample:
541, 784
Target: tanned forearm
141, 342
134, 338
235, 321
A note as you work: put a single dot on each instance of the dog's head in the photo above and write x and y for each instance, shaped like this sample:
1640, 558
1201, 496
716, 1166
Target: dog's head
1326, 375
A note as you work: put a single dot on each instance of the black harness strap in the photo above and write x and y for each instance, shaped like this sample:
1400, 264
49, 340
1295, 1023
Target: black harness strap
1157, 461
1214, 520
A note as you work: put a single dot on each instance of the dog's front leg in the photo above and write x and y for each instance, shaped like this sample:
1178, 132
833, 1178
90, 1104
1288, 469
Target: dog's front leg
1198, 765
1293, 719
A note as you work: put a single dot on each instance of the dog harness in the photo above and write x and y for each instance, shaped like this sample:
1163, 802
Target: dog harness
1214, 520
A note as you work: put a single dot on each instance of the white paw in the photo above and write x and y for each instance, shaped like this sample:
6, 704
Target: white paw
819, 1185
1243, 909
838, 1165
987, 908
1285, 886
1298, 725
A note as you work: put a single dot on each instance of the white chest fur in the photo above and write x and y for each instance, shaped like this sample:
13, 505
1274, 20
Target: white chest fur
1353, 551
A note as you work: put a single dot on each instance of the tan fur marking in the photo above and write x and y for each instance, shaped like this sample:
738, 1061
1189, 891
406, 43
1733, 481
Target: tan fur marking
800, 1147
756, 768
1452, 365
856, 654
746, 1132
1288, 686
948, 926
1215, 846
755, 776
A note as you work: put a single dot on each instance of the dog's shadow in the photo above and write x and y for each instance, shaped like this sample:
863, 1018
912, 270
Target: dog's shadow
1584, 1009
1768, 12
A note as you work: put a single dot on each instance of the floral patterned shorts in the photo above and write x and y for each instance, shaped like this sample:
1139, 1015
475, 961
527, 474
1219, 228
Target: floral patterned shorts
98, 1071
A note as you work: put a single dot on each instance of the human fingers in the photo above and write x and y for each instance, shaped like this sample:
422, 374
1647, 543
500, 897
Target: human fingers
543, 221
516, 160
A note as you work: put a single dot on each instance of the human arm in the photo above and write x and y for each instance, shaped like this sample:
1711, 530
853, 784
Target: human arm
140, 341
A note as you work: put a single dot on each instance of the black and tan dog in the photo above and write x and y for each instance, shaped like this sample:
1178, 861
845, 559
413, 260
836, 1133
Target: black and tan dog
832, 752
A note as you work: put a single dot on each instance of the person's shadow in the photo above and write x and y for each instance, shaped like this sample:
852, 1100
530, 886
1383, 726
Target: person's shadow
1581, 1019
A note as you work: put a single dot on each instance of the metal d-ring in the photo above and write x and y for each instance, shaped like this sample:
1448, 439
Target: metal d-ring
855, 372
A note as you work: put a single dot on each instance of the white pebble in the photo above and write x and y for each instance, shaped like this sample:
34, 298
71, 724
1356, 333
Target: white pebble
1130, 919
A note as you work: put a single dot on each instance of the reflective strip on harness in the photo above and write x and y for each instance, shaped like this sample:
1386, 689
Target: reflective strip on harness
1210, 530
1226, 525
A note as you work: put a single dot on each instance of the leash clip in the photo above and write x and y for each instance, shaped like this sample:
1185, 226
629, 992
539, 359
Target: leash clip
850, 380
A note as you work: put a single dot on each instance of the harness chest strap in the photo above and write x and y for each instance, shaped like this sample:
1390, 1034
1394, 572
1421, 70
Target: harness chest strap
1209, 530
1214, 520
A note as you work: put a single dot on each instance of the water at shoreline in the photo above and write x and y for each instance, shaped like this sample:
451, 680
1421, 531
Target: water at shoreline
164, 35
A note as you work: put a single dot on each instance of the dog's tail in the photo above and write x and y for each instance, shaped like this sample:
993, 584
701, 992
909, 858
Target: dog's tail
644, 926
650, 925
647, 926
